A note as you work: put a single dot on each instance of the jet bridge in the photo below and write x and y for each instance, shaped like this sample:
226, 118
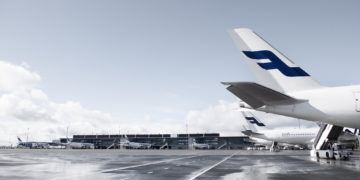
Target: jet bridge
325, 143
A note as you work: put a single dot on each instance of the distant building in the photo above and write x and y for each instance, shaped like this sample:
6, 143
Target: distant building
178, 141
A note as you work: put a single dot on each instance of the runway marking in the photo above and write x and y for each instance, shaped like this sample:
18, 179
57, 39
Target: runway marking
146, 164
203, 171
126, 167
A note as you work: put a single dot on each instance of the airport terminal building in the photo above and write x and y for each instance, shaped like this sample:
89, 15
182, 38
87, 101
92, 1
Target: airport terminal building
170, 141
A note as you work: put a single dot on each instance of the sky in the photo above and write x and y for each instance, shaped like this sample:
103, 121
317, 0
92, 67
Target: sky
138, 66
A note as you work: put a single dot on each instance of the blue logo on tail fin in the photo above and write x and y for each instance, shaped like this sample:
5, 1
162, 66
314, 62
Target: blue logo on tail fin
252, 120
275, 63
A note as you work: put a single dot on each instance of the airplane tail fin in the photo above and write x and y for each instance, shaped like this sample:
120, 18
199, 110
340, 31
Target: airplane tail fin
125, 139
271, 68
253, 122
19, 139
116, 141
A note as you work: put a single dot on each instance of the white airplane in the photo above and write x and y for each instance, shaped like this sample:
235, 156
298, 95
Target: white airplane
286, 89
135, 145
33, 144
200, 145
290, 136
78, 145
259, 142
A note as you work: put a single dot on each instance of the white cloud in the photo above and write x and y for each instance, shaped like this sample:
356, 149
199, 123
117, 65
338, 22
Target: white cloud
223, 118
38, 94
15, 78
227, 119
26, 110
24, 107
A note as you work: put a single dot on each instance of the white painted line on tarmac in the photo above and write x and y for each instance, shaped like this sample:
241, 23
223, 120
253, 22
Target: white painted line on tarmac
126, 167
146, 164
123, 168
203, 171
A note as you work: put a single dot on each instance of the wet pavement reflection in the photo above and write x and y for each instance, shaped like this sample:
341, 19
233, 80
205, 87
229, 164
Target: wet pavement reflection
172, 164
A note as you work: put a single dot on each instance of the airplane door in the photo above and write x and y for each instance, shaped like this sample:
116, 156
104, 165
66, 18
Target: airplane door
357, 101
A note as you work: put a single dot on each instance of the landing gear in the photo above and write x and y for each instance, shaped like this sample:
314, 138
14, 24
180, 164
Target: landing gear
274, 147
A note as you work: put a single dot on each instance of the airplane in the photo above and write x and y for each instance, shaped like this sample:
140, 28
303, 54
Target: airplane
262, 144
32, 144
258, 141
78, 145
134, 145
200, 145
285, 136
286, 89
53, 145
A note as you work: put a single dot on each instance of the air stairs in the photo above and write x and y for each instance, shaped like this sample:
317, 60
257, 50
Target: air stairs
274, 147
220, 147
325, 143
114, 144
166, 145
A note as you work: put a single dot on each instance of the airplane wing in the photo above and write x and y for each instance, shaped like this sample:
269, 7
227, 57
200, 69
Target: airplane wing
257, 95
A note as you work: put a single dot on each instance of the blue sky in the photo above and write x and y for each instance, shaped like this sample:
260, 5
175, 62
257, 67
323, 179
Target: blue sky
161, 60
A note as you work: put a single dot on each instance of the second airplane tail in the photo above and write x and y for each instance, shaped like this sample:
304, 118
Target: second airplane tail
271, 68
254, 123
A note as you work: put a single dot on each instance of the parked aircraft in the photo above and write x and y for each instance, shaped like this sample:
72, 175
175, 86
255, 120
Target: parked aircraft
293, 136
259, 142
286, 89
289, 136
200, 145
33, 144
134, 145
78, 145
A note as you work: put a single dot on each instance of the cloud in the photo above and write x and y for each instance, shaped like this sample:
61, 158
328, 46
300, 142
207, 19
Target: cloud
25, 110
24, 106
15, 78
223, 118
227, 119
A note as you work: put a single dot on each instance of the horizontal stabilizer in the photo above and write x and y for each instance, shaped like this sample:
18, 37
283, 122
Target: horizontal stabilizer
250, 133
257, 95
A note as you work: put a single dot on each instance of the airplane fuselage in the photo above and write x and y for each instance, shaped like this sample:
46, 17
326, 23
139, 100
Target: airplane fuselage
79, 145
136, 145
201, 146
338, 105
291, 136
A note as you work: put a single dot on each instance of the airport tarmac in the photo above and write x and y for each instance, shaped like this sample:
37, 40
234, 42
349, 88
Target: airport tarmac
171, 164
